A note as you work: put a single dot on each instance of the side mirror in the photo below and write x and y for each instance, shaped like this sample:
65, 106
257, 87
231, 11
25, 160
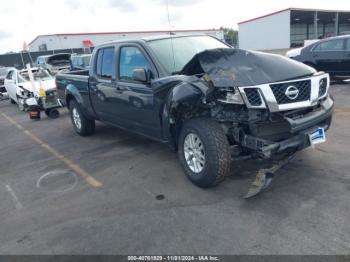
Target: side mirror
141, 75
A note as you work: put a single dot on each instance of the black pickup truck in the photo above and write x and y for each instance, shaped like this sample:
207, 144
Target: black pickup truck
210, 102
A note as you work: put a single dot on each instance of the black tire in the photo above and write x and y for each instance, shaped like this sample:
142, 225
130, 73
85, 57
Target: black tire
216, 151
87, 126
52, 113
12, 101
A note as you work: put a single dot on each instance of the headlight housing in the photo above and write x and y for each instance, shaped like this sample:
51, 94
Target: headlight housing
323, 87
231, 97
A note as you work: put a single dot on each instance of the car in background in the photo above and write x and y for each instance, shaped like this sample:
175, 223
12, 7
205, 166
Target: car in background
54, 63
3, 73
331, 55
80, 62
20, 88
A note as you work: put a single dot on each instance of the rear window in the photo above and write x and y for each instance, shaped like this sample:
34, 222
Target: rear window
105, 63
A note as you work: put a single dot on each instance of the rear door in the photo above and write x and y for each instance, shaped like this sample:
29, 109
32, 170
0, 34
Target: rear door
329, 56
102, 84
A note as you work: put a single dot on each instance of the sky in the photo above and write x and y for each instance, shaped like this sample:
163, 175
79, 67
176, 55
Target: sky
23, 20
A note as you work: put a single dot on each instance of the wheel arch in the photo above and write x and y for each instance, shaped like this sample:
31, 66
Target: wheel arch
72, 93
184, 101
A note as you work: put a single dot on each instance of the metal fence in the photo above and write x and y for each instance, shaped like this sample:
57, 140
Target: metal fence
19, 60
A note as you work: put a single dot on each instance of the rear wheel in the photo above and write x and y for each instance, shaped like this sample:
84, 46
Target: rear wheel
52, 113
82, 125
204, 152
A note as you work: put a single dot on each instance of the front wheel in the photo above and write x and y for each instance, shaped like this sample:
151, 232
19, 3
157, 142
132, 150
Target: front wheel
204, 152
82, 125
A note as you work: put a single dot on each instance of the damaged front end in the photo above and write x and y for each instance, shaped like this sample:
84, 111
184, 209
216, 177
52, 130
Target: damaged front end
268, 105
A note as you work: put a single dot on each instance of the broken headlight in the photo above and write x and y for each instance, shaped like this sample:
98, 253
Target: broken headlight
231, 97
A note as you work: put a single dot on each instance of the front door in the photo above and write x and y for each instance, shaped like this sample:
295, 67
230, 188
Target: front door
136, 100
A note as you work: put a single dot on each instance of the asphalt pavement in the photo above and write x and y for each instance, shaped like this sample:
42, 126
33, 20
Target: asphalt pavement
119, 193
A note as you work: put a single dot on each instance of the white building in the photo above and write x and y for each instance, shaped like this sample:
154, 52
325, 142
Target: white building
84, 40
291, 27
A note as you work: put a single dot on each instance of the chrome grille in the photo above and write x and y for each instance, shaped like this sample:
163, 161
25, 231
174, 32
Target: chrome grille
279, 91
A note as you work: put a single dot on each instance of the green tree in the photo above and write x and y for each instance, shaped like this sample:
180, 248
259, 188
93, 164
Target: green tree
230, 35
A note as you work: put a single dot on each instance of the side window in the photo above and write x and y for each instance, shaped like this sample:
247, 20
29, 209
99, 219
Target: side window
332, 45
99, 62
131, 58
80, 61
10, 75
348, 44
73, 61
105, 65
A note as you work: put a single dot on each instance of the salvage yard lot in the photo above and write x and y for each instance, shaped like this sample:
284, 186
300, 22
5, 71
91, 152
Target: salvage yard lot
129, 194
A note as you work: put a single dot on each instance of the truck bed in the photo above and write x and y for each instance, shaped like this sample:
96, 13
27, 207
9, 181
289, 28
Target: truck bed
80, 79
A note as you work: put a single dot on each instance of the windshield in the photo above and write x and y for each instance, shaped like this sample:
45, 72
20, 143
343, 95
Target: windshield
185, 48
3, 71
37, 74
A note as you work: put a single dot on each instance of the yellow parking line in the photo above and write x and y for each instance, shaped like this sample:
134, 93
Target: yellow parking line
76, 168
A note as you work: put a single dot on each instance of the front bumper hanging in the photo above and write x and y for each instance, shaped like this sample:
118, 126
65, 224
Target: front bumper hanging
299, 129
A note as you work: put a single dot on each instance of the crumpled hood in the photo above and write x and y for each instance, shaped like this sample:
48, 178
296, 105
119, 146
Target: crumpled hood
45, 84
228, 67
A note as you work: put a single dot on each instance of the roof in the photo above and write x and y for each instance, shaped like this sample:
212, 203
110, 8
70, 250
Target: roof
293, 9
146, 39
335, 37
126, 32
160, 37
